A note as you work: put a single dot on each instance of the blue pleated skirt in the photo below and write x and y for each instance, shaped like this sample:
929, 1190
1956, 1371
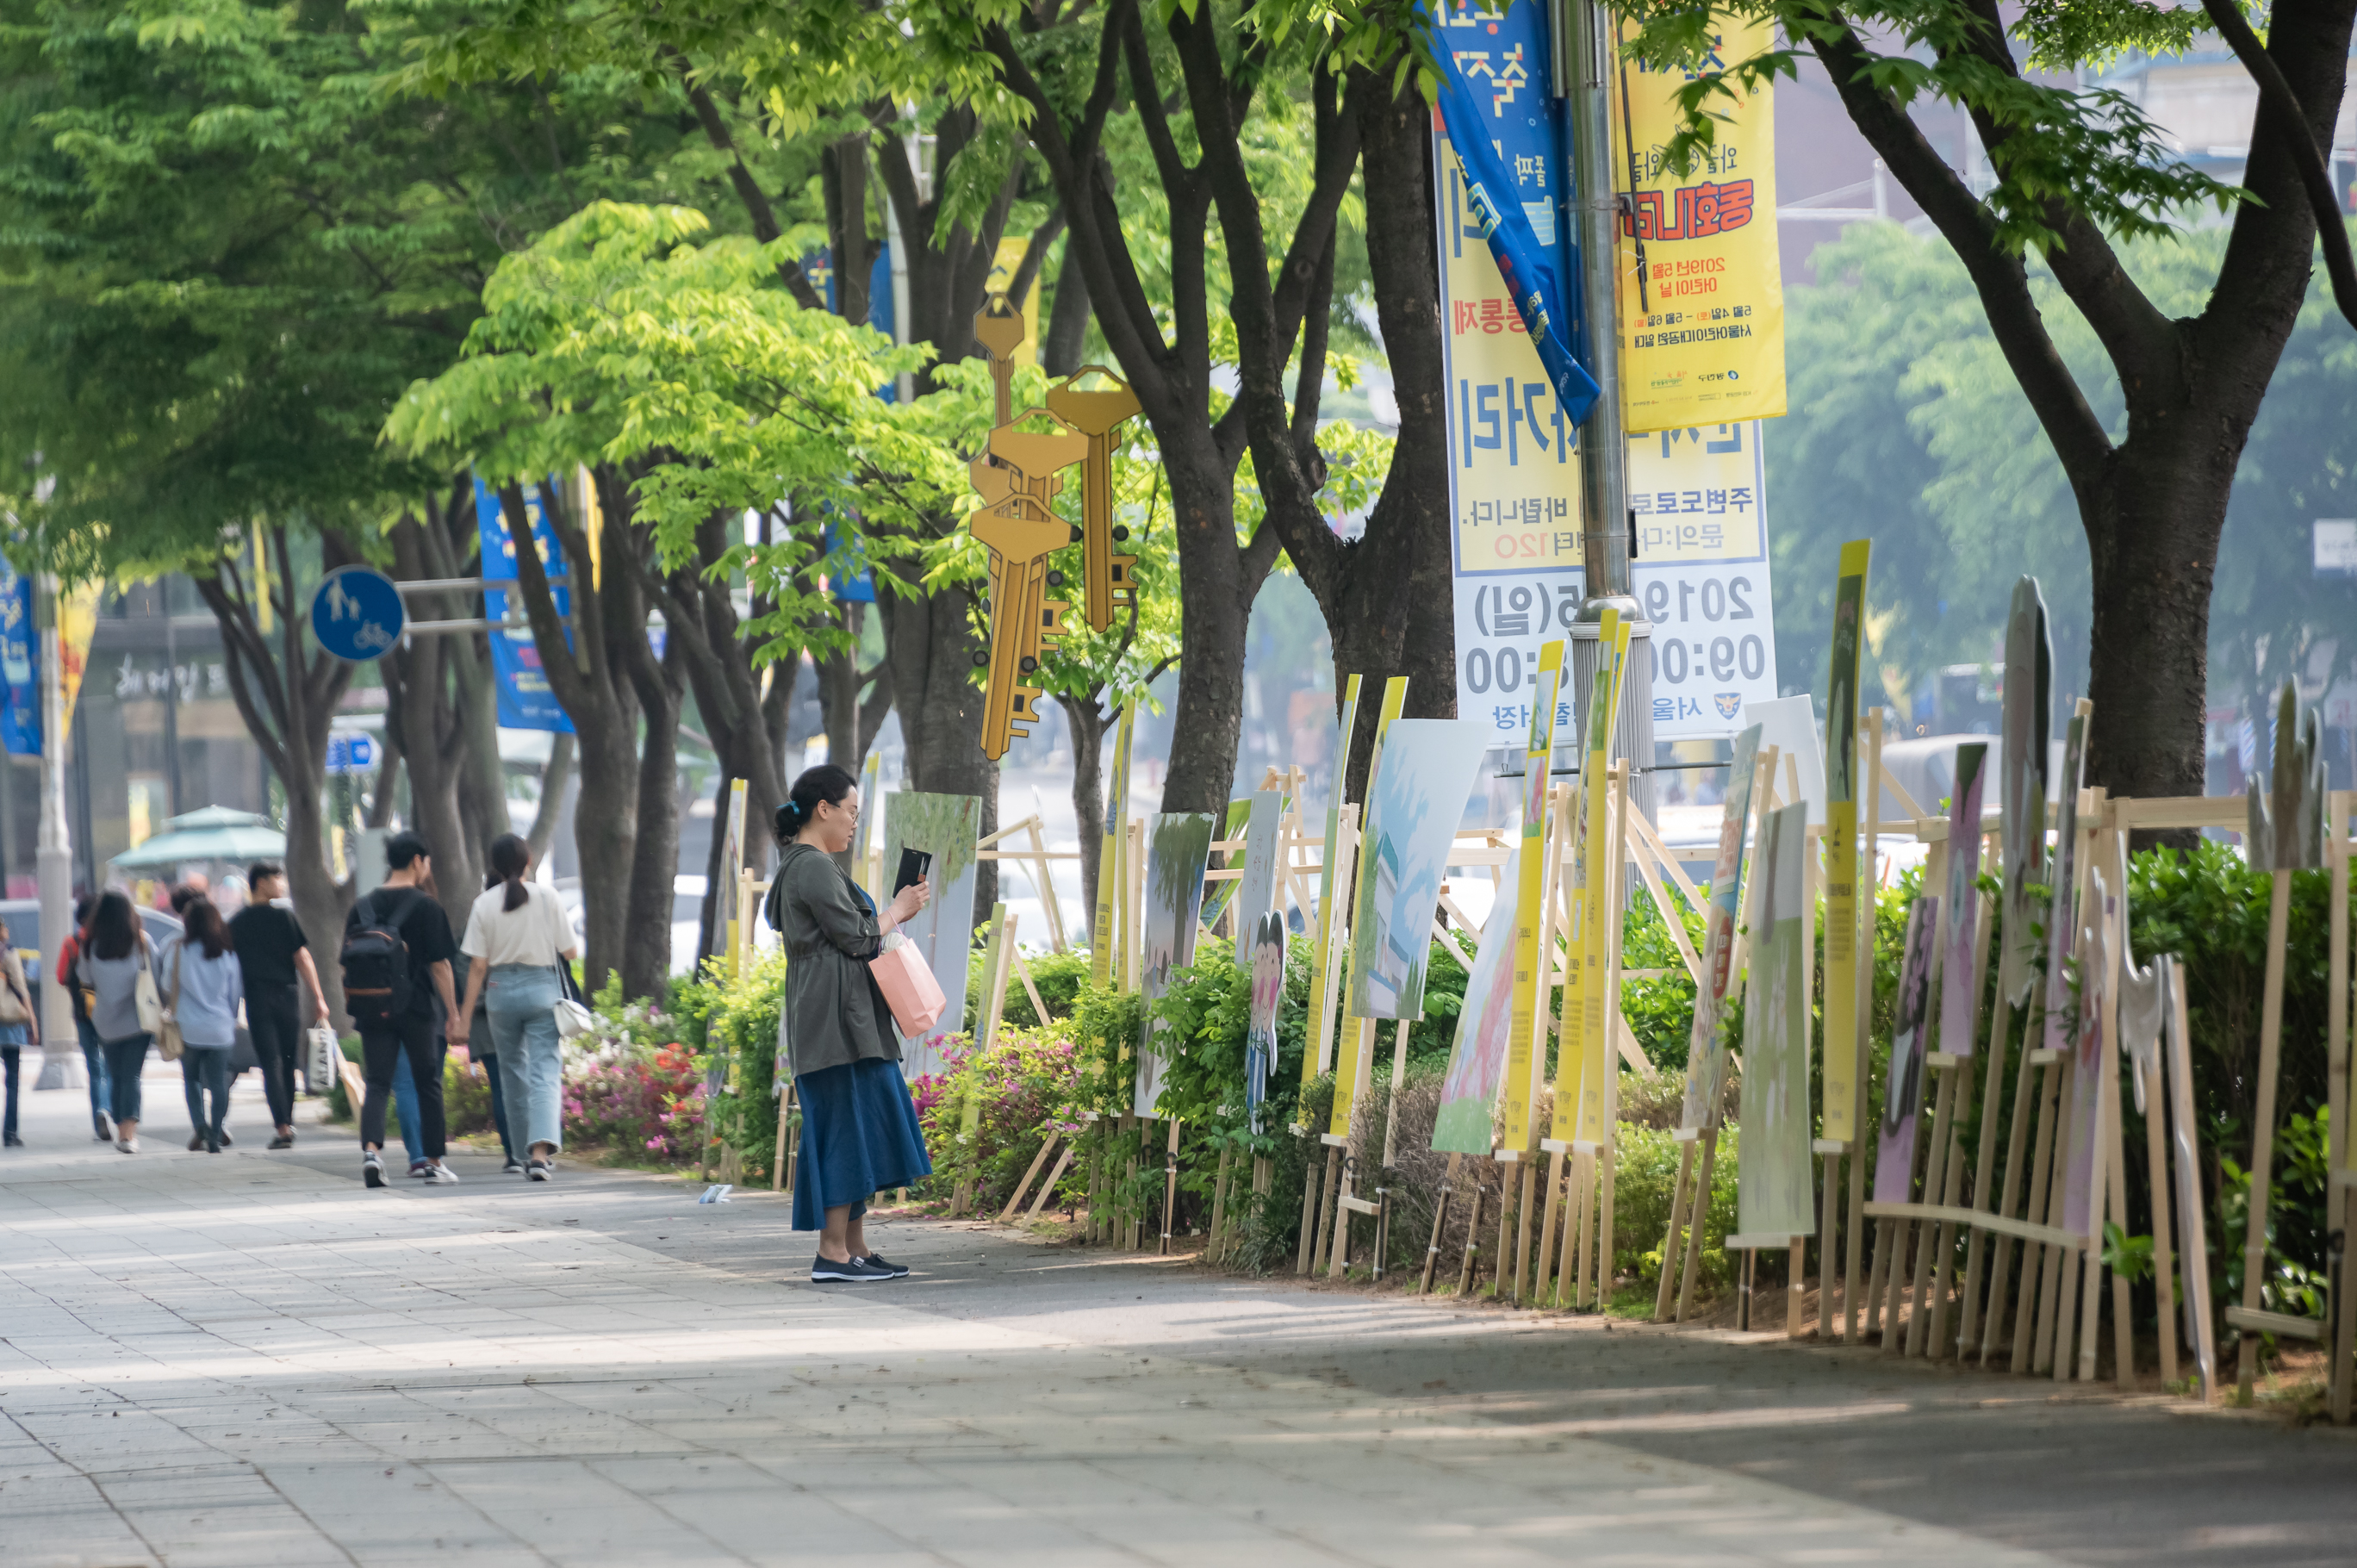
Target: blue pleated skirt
860, 1136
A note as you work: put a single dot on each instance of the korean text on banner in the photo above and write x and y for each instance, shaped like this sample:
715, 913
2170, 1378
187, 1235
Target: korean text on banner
1702, 319
526, 701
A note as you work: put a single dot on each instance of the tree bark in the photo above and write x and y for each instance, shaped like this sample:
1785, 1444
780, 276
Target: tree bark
1068, 320
553, 778
654, 867
1088, 723
288, 699
932, 642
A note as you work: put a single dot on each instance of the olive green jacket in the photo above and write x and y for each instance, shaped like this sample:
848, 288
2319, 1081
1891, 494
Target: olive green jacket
834, 1011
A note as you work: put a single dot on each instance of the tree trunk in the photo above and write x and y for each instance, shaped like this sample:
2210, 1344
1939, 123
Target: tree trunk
1392, 611
646, 949
554, 779
2152, 528
1067, 337
1088, 724
1207, 717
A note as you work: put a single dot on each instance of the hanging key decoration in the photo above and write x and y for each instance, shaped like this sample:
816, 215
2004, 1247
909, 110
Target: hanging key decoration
1096, 402
1021, 533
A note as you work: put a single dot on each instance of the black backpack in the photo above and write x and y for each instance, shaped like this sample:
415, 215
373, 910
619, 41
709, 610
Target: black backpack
376, 963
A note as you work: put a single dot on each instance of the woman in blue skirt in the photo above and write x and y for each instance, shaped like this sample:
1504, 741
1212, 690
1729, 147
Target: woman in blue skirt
859, 1130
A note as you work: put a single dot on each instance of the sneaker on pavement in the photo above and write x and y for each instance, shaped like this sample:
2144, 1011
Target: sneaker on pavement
127, 1146
541, 1170
284, 1141
514, 1167
417, 1168
372, 1168
851, 1271
225, 1139
441, 1175
196, 1142
878, 1260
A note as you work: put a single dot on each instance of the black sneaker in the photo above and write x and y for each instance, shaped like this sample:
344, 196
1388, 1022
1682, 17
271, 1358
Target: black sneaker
284, 1141
514, 1167
541, 1170
851, 1271
372, 1168
877, 1260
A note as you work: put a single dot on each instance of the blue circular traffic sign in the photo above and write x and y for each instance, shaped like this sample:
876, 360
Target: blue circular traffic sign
356, 613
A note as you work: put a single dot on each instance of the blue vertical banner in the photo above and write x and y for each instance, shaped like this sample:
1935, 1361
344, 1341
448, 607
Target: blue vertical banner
20, 665
1498, 103
525, 698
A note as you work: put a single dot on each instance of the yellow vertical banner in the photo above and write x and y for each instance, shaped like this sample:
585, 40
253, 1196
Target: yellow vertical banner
1596, 1056
1701, 295
732, 859
1321, 964
1346, 1054
1531, 968
1841, 1044
1112, 868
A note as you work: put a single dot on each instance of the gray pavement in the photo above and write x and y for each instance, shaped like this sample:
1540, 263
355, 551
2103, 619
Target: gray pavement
248, 1359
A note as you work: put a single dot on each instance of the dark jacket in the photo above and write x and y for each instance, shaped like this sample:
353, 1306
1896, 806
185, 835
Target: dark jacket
834, 1011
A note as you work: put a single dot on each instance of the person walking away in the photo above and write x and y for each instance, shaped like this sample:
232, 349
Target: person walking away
517, 934
860, 1134
20, 1025
272, 956
397, 961
203, 983
93, 1053
482, 1057
113, 956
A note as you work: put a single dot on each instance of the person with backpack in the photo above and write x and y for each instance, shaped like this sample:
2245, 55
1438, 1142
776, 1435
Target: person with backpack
20, 1025
397, 961
93, 1051
203, 983
114, 959
272, 953
518, 935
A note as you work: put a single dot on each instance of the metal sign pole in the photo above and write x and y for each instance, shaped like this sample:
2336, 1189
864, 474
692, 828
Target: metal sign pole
1585, 45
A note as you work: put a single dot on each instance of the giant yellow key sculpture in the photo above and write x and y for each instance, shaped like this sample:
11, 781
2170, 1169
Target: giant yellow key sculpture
1096, 402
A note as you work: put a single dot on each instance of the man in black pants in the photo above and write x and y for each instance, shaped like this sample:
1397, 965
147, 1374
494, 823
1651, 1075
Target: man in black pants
405, 904
271, 952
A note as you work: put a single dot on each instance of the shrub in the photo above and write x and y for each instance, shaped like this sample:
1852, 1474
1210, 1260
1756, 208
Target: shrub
1019, 1089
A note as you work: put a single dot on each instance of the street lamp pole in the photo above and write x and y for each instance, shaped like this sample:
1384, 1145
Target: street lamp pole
1588, 53
53, 859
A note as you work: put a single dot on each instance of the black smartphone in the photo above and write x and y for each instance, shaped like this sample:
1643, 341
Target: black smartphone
914, 865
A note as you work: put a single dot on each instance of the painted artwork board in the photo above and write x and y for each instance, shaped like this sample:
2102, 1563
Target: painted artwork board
1960, 983
1414, 805
1902, 1091
945, 827
2029, 682
1478, 1057
2083, 1123
1178, 851
1258, 891
1706, 1047
1266, 966
1773, 1180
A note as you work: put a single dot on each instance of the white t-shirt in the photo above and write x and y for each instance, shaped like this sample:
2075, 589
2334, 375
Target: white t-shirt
535, 932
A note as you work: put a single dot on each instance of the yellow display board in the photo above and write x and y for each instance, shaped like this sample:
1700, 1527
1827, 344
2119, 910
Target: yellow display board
1530, 976
1841, 1042
1593, 900
1702, 319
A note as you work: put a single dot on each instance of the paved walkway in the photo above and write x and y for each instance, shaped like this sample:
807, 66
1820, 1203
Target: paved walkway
248, 1360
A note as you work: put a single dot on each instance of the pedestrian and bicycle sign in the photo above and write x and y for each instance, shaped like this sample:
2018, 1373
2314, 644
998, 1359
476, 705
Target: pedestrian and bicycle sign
356, 613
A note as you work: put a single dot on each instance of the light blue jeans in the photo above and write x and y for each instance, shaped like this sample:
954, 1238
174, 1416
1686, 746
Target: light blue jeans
531, 1066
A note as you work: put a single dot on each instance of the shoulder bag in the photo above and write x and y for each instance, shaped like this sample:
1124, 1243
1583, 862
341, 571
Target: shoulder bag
572, 1014
16, 1006
145, 998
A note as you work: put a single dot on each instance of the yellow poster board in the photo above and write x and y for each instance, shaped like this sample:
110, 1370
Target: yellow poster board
1533, 978
1702, 321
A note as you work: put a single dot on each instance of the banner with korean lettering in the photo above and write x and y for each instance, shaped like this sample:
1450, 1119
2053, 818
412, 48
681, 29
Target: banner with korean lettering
20, 665
524, 697
1702, 290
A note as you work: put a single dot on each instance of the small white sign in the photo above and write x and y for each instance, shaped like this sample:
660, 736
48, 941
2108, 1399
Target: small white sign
2336, 547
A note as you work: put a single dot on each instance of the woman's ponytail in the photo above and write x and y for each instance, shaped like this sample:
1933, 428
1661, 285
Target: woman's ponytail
509, 858
824, 785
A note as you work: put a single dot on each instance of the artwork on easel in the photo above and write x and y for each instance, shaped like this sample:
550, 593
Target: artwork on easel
1415, 804
1267, 971
2063, 913
945, 827
1217, 895
1705, 1050
1773, 1185
1177, 849
1477, 1061
1903, 1098
1960, 983
2081, 1124
1843, 894
1257, 892
2028, 680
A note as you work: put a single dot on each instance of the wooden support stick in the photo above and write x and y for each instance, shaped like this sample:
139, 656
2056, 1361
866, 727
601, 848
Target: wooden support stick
1439, 1220
1048, 1187
1829, 1246
2017, 1146
1884, 1285
1023, 1187
1695, 1225
2040, 1263
1330, 1195
1540, 1290
2254, 1245
1212, 1243
1500, 1283
1473, 1245
1935, 1185
1795, 1284
1673, 1244
1312, 1182
1991, 1091
1868, 869
1578, 1226
777, 1160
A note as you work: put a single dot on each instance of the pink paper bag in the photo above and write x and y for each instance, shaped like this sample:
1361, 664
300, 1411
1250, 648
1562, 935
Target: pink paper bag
910, 989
